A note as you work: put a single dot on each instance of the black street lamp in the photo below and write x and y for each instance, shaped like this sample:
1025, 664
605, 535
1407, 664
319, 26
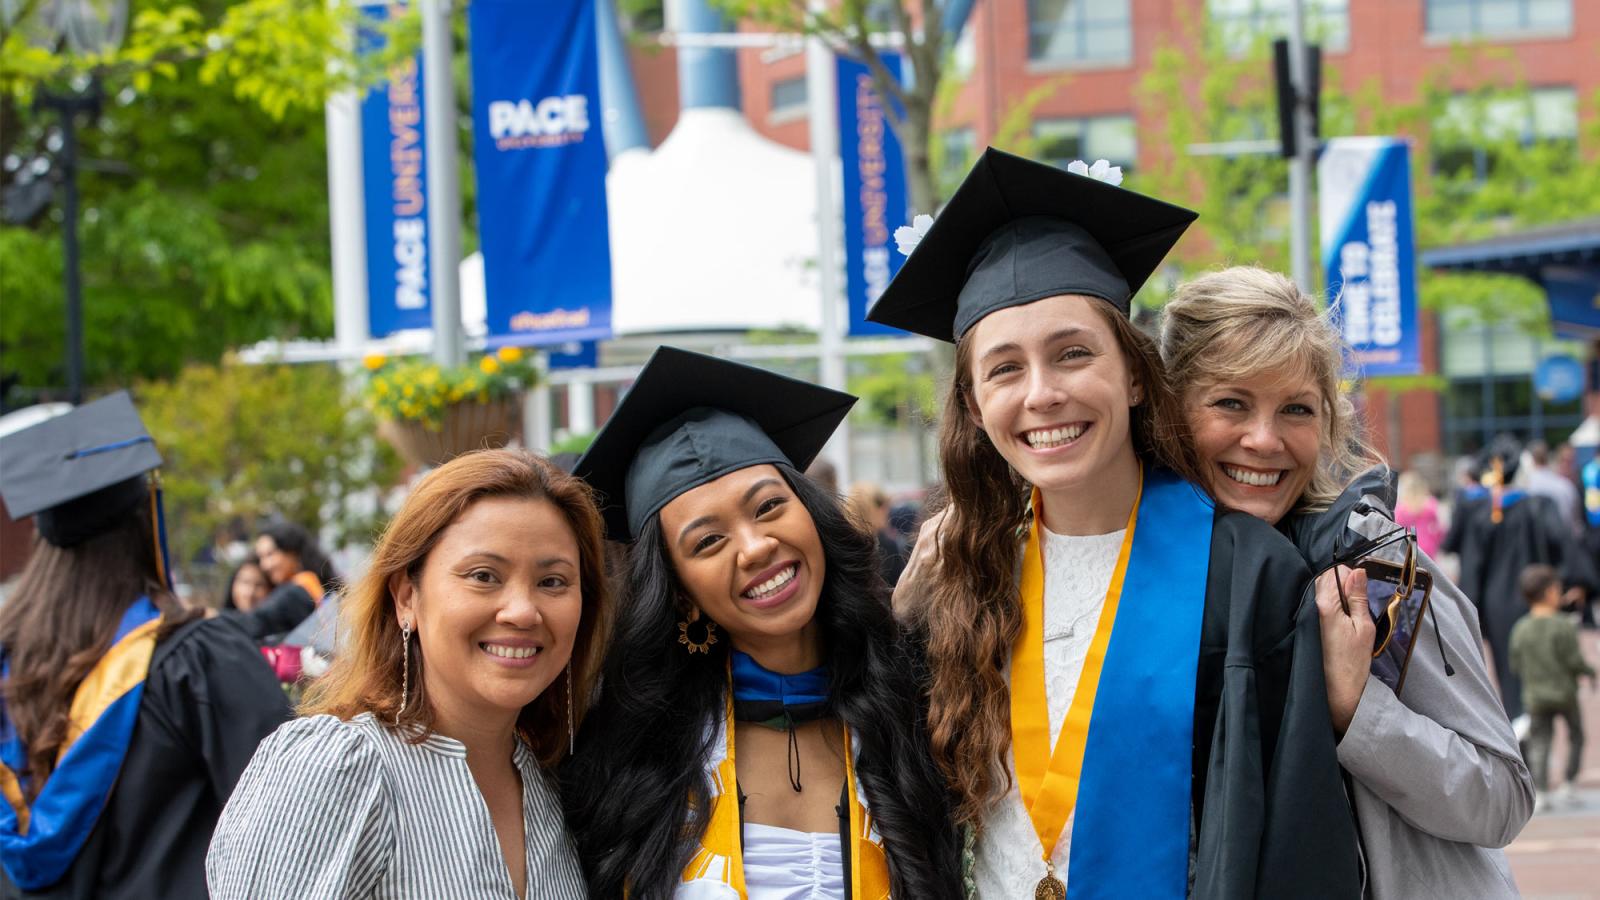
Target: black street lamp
76, 26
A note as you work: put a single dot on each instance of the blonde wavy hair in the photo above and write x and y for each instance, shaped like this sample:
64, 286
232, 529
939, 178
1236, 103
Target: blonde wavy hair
1239, 323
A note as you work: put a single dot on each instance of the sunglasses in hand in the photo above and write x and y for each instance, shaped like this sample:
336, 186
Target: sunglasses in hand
1397, 599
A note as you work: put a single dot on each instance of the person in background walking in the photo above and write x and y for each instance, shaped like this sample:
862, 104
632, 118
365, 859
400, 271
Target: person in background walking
1546, 656
1544, 481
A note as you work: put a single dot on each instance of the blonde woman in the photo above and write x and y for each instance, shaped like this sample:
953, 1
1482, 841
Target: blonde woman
1438, 779
419, 767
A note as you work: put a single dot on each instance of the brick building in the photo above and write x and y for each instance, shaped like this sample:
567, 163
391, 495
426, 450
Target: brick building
1012, 47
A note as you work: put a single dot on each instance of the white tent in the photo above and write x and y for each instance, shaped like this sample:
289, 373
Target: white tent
716, 229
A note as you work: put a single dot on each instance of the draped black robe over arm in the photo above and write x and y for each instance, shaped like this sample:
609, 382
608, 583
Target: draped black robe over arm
1273, 817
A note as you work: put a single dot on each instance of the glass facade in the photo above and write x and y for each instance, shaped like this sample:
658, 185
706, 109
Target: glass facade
1080, 31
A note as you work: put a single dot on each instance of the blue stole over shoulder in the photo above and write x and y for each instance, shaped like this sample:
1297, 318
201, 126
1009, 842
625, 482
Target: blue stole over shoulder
40, 841
1130, 837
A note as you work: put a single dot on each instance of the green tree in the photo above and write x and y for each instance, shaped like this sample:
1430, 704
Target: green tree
1204, 93
204, 219
247, 443
848, 27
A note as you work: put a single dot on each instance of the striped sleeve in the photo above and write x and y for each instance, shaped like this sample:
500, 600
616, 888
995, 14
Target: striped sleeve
310, 818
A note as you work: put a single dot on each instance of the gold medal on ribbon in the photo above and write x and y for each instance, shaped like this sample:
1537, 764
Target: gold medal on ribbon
1050, 887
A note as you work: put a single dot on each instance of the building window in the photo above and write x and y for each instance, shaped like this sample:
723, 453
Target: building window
1241, 23
958, 150
1490, 371
788, 100
1493, 18
1466, 135
1080, 31
1112, 138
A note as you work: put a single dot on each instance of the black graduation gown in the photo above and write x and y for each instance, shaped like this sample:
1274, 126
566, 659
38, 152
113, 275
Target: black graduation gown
1493, 556
1273, 817
208, 701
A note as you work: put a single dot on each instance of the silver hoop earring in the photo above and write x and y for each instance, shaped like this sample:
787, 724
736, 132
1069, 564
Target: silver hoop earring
571, 738
405, 670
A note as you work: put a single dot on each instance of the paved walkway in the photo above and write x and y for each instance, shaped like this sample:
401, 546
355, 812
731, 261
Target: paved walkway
1557, 856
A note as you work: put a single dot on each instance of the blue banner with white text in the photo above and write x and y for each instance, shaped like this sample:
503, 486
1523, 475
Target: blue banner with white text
395, 183
874, 190
1369, 252
541, 164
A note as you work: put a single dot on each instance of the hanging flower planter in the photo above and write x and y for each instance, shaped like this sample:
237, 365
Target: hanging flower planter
432, 414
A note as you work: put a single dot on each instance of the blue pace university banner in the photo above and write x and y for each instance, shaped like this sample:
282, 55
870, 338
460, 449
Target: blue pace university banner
541, 165
1369, 251
395, 185
874, 190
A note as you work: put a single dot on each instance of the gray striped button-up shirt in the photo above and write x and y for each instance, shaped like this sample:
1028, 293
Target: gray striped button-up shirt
332, 809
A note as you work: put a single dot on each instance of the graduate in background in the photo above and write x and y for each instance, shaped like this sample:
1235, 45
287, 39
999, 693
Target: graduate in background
1499, 534
125, 719
758, 732
1127, 690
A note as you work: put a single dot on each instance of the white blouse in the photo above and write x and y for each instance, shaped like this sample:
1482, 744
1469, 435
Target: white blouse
783, 864
330, 809
1008, 859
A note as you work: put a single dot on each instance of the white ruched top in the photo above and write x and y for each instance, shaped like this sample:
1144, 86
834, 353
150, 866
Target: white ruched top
782, 864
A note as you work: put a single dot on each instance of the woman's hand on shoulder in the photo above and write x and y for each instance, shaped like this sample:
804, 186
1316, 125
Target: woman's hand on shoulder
922, 565
1347, 635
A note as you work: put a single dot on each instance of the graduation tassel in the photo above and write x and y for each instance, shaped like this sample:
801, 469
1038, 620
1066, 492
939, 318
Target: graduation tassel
158, 519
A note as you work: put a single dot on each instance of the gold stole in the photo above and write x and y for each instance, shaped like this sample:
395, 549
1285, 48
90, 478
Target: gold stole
1046, 779
720, 856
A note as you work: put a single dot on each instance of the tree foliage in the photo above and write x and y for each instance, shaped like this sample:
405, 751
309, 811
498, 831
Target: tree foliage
203, 199
247, 443
1205, 93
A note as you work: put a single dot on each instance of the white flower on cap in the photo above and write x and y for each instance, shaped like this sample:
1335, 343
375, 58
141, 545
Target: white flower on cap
1102, 170
907, 237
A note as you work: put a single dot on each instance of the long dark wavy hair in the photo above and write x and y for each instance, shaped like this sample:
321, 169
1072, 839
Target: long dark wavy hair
59, 622
636, 795
295, 539
972, 615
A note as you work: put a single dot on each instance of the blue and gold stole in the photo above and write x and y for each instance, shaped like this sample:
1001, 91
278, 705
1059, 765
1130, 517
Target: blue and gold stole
39, 842
1124, 757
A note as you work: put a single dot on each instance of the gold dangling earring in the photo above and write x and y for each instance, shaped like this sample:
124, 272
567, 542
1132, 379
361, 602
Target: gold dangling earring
572, 743
704, 644
405, 670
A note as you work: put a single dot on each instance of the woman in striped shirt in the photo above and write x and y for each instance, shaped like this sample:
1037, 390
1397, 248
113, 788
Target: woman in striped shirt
419, 767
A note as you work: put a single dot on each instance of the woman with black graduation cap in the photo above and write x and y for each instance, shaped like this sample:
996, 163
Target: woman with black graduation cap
753, 618
125, 719
1126, 686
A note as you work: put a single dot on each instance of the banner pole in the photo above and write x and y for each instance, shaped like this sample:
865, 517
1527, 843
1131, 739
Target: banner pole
444, 188
347, 222
824, 126
1300, 164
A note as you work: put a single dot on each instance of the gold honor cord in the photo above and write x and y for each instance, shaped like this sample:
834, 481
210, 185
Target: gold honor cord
1048, 781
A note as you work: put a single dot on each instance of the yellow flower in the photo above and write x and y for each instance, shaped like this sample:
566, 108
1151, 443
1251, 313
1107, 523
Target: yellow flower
373, 361
430, 375
381, 387
509, 354
410, 390
489, 365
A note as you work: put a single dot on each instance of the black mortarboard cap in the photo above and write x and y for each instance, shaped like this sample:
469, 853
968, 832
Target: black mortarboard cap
1017, 231
78, 472
689, 419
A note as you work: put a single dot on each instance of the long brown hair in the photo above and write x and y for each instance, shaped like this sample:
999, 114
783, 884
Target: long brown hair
366, 677
973, 614
61, 619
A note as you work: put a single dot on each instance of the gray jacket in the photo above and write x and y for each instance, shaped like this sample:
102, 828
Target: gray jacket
1438, 781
